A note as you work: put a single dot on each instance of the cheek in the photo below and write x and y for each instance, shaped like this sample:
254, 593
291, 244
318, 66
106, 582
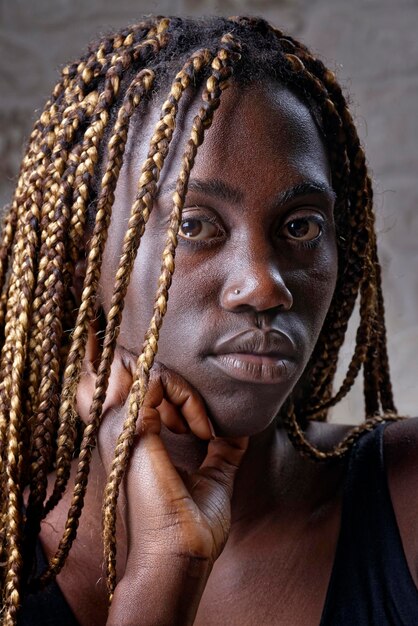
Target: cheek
193, 307
191, 296
140, 295
313, 289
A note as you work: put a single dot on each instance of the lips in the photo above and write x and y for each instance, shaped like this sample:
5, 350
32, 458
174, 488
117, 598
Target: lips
256, 356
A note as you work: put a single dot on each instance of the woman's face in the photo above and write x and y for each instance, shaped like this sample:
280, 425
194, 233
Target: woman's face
256, 261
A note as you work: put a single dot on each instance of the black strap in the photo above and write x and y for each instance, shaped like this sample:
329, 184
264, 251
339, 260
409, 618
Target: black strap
371, 584
47, 607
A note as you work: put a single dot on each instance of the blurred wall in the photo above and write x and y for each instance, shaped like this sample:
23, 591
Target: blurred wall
372, 45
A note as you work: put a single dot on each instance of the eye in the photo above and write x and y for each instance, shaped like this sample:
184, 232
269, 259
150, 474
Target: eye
196, 229
303, 228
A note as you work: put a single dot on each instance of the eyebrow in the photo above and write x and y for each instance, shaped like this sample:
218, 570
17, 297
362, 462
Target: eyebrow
222, 190
305, 189
213, 187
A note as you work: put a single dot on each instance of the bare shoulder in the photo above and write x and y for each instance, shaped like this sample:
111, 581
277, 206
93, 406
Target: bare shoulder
401, 448
401, 461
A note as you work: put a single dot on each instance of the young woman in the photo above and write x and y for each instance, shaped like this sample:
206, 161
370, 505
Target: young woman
224, 148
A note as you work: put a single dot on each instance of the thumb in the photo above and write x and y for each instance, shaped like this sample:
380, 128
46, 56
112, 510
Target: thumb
223, 459
214, 484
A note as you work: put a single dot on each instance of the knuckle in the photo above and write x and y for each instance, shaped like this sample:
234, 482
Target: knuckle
149, 420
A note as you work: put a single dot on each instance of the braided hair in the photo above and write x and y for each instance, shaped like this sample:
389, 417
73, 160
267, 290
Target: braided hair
66, 188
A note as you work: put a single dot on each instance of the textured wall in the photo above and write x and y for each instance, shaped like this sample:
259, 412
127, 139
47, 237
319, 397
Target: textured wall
372, 44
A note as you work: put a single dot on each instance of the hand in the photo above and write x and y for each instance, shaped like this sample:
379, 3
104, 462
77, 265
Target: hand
168, 518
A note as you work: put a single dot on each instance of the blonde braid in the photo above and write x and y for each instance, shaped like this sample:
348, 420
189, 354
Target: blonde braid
309, 450
94, 107
139, 215
56, 186
139, 87
68, 415
221, 71
23, 272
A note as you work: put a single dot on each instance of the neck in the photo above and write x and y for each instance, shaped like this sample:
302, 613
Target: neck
264, 478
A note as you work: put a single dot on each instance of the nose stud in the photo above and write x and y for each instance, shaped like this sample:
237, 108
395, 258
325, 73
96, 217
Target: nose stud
237, 291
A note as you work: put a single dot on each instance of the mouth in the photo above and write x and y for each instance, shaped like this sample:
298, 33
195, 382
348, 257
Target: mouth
254, 368
256, 357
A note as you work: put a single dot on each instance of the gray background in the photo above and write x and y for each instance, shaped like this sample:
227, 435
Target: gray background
373, 46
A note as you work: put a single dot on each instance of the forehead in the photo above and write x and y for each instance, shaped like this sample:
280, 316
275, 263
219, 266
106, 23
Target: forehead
259, 133
264, 132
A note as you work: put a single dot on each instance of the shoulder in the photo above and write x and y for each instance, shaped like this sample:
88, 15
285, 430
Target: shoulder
401, 453
401, 462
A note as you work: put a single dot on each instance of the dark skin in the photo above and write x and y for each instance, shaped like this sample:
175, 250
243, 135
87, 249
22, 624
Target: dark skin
285, 286
241, 546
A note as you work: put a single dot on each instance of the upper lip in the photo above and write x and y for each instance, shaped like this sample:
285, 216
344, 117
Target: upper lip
271, 342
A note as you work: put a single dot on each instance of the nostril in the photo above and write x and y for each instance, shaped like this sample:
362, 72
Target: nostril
259, 288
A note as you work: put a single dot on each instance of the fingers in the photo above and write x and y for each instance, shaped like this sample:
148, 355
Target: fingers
170, 399
172, 418
120, 380
180, 407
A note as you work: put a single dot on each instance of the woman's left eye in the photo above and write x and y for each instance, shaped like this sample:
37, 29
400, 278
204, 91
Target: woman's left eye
196, 229
304, 228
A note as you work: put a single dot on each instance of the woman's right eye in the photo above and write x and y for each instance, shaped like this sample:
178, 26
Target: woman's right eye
197, 229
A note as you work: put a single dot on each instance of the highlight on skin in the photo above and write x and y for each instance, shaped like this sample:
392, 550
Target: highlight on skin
64, 196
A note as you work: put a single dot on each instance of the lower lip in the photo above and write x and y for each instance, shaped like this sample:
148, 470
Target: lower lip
254, 368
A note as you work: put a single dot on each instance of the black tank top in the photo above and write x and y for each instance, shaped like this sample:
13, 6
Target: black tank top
47, 607
370, 582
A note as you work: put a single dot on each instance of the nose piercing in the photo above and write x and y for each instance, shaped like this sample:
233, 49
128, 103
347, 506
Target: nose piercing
237, 291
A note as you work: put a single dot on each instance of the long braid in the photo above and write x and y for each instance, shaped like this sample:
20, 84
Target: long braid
385, 383
51, 313
75, 114
140, 213
335, 327
350, 277
312, 452
51, 309
23, 272
68, 415
222, 66
31, 189
371, 301
11, 431
139, 87
358, 239
380, 373
357, 158
56, 195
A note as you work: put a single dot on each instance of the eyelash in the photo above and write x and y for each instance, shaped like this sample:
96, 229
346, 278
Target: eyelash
201, 243
208, 243
310, 244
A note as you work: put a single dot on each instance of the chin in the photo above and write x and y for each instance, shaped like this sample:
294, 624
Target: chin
241, 416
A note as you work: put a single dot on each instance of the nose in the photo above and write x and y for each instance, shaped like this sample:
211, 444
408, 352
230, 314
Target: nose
256, 284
